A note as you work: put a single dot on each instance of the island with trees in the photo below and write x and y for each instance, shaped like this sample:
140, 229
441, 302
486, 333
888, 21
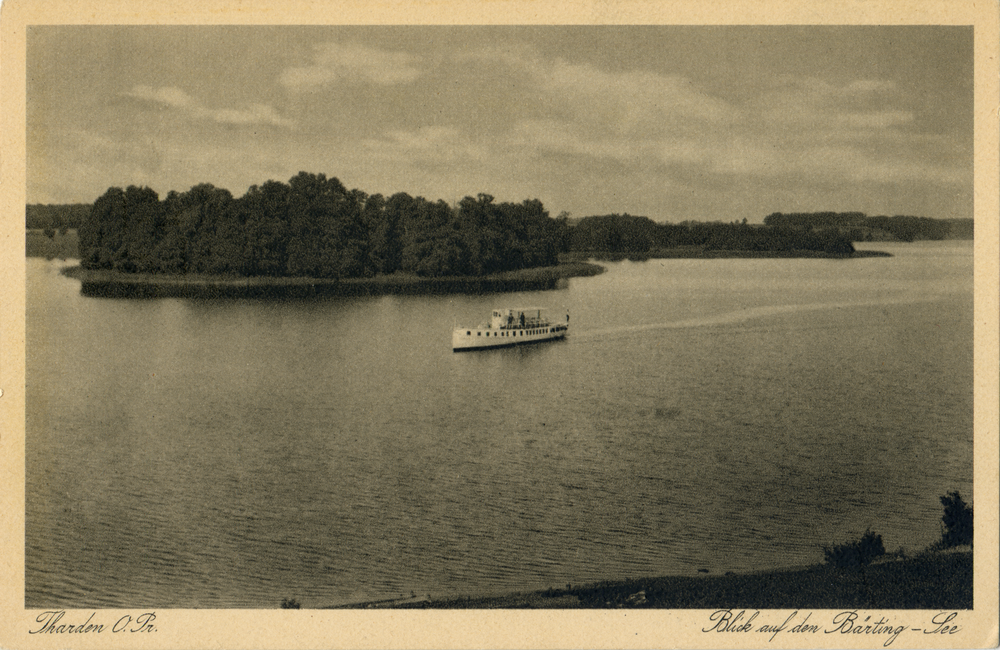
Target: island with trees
312, 235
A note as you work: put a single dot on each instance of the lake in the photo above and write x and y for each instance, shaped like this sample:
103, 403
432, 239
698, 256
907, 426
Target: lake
720, 415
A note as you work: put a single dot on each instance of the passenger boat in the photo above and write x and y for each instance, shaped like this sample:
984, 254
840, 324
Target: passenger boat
508, 327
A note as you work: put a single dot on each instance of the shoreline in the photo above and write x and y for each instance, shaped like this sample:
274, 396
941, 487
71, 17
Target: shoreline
117, 284
930, 580
697, 253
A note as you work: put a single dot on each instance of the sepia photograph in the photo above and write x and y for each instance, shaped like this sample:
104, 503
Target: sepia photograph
657, 319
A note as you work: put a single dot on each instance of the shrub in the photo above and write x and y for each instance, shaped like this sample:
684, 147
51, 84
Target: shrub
290, 603
956, 521
855, 554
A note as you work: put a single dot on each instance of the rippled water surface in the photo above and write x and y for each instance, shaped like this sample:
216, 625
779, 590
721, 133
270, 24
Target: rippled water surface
703, 414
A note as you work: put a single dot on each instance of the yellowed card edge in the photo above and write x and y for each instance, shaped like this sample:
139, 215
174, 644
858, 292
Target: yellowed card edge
484, 629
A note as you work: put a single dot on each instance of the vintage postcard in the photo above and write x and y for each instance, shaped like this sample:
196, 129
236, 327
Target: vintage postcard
499, 324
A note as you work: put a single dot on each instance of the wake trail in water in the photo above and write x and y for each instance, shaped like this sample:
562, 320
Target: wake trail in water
752, 313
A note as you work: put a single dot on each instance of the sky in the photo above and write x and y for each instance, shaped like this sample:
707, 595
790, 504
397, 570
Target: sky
674, 123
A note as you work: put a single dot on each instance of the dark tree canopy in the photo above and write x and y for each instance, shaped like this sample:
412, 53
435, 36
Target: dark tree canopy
631, 235
313, 226
957, 528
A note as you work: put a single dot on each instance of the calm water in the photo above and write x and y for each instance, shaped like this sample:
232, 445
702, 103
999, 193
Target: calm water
717, 414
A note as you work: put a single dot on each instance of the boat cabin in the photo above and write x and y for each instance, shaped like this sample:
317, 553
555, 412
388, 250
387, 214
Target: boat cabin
517, 318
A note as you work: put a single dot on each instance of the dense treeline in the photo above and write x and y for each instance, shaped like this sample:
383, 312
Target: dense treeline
313, 226
860, 227
52, 218
633, 235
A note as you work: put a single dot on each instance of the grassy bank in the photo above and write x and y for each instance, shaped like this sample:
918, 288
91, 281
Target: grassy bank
115, 284
933, 580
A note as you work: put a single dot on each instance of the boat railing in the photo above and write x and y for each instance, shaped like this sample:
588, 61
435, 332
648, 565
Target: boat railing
528, 323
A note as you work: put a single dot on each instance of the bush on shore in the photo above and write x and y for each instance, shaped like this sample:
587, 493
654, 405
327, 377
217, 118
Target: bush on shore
855, 554
956, 522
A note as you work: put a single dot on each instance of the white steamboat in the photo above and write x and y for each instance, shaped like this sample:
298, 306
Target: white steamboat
508, 327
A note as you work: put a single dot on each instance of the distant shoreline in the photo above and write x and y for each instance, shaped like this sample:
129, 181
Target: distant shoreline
697, 252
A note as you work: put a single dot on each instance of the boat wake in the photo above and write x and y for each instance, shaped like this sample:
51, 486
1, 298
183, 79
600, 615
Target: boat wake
749, 314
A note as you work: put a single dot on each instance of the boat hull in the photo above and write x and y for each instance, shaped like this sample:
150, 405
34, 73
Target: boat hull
466, 339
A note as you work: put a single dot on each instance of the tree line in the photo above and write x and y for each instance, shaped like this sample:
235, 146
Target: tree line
860, 227
313, 226
52, 218
630, 235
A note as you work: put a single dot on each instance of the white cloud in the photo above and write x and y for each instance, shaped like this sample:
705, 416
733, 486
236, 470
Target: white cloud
177, 98
756, 157
860, 108
429, 144
633, 102
797, 128
863, 86
635, 97
530, 137
562, 137
874, 119
354, 63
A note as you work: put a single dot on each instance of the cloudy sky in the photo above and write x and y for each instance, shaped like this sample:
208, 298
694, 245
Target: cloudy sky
672, 123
